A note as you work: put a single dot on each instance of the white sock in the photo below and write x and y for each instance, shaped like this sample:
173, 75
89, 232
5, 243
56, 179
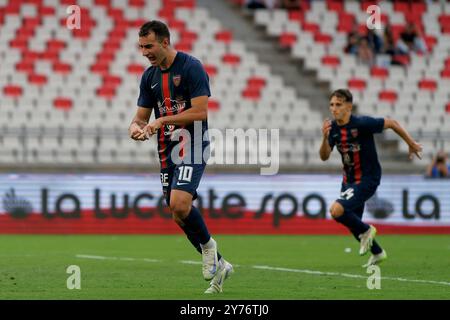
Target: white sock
209, 244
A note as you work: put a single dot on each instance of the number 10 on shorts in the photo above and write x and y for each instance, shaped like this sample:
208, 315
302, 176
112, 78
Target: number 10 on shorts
185, 174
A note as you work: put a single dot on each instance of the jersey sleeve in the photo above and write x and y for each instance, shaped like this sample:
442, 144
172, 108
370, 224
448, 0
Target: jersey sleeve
372, 125
146, 98
198, 80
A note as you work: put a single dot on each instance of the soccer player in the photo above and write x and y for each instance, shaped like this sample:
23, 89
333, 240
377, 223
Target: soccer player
353, 137
176, 87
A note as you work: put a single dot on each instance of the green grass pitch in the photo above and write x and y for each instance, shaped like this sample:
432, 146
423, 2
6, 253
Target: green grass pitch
151, 267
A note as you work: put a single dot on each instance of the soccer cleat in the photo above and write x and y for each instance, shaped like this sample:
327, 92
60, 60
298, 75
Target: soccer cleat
210, 261
216, 284
366, 240
376, 259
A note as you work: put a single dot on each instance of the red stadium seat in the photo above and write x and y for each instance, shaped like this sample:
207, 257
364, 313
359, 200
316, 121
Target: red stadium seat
388, 96
62, 103
296, 15
430, 42
251, 94
447, 108
111, 80
25, 66
401, 59
136, 3
184, 46
210, 70
334, 5
37, 79
310, 27
135, 68
287, 39
256, 83
378, 72
366, 3
331, 61
60, 67
213, 105
427, 84
46, 11
447, 63
176, 24
225, 36
106, 92
357, 84
12, 91
232, 59
323, 38
445, 73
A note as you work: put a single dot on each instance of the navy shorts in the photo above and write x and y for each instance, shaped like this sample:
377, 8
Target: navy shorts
185, 177
354, 196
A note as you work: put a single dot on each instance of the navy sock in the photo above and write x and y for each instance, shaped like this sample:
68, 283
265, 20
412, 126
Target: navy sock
375, 249
196, 230
352, 222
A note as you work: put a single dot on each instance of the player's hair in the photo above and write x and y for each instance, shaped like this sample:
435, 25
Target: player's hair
343, 94
159, 28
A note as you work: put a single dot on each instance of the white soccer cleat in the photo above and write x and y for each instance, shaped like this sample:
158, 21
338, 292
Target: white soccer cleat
367, 240
216, 284
210, 261
376, 259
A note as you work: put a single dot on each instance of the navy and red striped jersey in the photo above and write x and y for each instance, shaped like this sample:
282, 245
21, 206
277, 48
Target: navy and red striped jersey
356, 145
169, 92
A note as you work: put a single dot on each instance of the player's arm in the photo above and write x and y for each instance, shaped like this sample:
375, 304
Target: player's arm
414, 147
140, 120
325, 148
197, 112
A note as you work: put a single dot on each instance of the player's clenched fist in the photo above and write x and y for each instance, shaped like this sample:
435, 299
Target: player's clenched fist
326, 128
136, 132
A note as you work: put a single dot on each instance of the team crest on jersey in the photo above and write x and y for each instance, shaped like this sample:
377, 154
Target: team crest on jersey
176, 80
354, 132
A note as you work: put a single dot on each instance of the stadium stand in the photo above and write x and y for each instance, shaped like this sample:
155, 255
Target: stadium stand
67, 96
417, 93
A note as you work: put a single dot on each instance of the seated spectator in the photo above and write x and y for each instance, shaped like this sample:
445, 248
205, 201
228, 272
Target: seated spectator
374, 41
439, 168
353, 38
255, 4
388, 46
411, 40
365, 53
290, 4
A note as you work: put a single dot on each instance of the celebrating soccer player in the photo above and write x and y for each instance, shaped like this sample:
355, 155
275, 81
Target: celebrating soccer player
176, 86
353, 137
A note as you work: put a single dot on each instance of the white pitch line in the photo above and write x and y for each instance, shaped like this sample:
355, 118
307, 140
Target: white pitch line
313, 272
87, 256
347, 275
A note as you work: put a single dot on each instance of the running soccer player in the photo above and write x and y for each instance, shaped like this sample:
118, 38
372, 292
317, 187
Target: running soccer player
176, 86
353, 137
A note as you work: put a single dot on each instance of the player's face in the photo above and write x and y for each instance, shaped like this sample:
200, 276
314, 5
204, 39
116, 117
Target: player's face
151, 48
339, 108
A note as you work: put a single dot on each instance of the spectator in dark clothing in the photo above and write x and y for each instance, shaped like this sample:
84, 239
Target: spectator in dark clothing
411, 40
374, 41
353, 38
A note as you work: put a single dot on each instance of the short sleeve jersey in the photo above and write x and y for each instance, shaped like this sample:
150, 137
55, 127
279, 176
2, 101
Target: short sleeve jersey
169, 92
355, 143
